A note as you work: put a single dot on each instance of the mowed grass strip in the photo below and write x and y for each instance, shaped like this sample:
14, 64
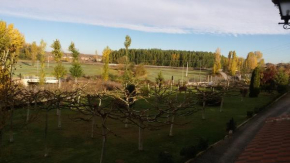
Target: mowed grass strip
25, 68
72, 143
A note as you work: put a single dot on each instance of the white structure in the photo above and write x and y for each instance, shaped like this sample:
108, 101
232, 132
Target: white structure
35, 79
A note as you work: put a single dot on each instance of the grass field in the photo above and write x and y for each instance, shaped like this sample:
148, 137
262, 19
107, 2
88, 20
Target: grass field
72, 144
26, 69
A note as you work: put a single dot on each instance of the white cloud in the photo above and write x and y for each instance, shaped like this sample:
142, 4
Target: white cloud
163, 16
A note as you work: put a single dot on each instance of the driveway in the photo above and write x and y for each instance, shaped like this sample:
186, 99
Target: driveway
228, 150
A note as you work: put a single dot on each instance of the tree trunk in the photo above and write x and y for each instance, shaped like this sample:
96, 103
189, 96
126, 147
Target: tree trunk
45, 134
104, 134
11, 138
57, 111
93, 126
140, 147
59, 119
171, 126
222, 104
59, 83
203, 110
76, 80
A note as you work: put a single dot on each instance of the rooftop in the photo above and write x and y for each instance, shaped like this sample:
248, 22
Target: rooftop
271, 144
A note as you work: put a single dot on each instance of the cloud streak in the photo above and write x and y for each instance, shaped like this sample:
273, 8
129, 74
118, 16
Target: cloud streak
161, 16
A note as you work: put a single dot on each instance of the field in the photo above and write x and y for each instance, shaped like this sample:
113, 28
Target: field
72, 143
26, 69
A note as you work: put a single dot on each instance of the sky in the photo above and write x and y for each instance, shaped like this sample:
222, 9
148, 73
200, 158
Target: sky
243, 26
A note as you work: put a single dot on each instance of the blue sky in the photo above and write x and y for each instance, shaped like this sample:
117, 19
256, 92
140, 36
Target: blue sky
165, 24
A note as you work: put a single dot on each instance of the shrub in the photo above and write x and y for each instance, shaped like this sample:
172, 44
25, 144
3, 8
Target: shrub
188, 152
202, 144
231, 125
165, 157
250, 114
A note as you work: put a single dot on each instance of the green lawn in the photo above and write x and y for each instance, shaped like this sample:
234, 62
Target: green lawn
26, 69
72, 144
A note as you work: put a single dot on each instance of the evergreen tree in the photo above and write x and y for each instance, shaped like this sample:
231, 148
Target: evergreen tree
255, 83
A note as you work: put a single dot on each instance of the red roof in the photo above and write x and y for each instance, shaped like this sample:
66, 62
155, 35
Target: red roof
271, 144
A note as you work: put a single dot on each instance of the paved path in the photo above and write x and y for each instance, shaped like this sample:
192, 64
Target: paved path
228, 150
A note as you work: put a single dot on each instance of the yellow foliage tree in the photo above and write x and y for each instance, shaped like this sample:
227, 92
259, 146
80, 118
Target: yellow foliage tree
11, 40
106, 58
217, 61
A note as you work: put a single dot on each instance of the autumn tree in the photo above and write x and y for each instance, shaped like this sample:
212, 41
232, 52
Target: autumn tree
251, 61
267, 81
217, 61
234, 64
34, 52
11, 40
106, 57
282, 81
42, 47
59, 69
76, 69
229, 60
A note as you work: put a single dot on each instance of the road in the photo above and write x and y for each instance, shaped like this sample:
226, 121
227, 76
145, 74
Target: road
228, 150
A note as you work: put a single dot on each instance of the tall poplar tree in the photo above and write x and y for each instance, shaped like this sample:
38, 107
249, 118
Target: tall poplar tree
251, 61
42, 47
34, 52
217, 61
76, 69
127, 44
234, 64
59, 69
106, 58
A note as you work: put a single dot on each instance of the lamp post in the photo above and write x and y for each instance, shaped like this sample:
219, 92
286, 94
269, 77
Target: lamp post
284, 8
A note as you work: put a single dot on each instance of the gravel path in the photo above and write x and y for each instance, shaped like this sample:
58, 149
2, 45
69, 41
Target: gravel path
228, 150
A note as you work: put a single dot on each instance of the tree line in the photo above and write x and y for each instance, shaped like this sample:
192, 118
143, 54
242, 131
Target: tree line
159, 57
